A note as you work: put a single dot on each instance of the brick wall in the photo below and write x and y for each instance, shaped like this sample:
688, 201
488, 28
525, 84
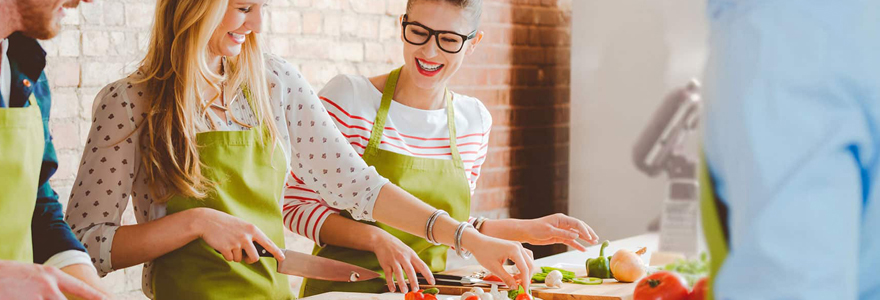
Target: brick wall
520, 71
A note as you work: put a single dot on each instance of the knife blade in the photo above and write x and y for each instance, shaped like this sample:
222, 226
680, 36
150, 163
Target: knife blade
315, 267
443, 279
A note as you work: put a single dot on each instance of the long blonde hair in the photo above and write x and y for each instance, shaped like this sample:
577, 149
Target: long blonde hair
173, 69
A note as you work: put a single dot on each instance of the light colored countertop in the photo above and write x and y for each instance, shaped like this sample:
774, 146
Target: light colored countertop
571, 259
649, 240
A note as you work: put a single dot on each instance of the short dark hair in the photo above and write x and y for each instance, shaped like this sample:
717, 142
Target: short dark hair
474, 6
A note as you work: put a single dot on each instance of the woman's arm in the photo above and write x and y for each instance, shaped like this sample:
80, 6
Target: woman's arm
552, 229
330, 166
401, 210
137, 244
395, 257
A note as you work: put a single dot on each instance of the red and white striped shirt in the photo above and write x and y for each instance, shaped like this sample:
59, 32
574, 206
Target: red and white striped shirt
353, 102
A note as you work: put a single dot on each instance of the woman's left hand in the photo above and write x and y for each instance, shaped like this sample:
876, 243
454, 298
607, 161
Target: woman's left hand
556, 229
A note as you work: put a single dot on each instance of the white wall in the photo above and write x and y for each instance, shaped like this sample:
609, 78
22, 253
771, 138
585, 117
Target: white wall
626, 55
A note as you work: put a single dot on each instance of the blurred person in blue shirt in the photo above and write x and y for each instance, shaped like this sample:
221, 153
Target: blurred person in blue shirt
32, 229
792, 145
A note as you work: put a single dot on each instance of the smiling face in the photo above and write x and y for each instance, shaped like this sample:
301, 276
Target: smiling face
41, 19
243, 17
428, 66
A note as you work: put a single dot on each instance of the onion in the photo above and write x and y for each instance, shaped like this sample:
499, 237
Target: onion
627, 266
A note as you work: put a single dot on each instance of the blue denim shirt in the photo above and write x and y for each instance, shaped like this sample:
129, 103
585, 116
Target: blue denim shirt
51, 235
792, 140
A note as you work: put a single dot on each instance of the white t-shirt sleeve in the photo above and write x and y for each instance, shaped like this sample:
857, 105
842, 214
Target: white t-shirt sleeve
483, 152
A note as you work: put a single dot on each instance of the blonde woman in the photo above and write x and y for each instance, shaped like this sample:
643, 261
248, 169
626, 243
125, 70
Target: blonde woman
201, 140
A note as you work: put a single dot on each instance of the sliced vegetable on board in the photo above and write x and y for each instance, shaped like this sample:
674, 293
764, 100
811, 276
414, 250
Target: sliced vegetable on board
429, 294
588, 281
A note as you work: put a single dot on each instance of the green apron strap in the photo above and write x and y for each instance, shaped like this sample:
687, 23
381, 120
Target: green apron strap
712, 227
247, 97
453, 138
382, 114
33, 100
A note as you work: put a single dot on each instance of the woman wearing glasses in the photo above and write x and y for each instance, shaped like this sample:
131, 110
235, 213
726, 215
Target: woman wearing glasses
424, 138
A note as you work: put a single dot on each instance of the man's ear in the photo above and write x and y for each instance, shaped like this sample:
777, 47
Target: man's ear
474, 41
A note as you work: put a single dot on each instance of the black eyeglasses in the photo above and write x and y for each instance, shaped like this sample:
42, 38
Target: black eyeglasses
448, 41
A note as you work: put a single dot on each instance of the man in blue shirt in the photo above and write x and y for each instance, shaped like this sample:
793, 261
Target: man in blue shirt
32, 229
792, 144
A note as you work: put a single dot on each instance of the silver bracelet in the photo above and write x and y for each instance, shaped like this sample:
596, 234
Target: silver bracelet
459, 232
478, 224
429, 226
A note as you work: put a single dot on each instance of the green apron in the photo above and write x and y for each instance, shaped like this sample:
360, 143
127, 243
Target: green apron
438, 182
21, 156
713, 227
249, 172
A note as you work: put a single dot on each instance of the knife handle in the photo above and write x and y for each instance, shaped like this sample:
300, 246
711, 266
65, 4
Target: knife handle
260, 250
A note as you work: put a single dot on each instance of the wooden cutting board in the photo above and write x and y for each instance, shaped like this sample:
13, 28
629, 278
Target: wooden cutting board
354, 296
609, 290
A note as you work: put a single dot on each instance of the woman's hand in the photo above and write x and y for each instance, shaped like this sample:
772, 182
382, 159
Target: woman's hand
230, 236
552, 229
397, 259
556, 229
492, 253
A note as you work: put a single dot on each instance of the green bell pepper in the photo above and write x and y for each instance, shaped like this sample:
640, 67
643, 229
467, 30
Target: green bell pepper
599, 267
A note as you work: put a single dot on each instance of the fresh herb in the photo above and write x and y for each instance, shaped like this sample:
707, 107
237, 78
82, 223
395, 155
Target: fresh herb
691, 269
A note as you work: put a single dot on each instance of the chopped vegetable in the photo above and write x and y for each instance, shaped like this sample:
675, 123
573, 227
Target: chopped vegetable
523, 297
512, 294
692, 269
429, 294
417, 295
588, 281
599, 267
554, 279
480, 294
567, 276
496, 294
627, 266
432, 291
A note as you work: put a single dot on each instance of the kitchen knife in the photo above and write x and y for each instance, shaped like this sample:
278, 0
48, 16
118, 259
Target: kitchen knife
310, 266
443, 279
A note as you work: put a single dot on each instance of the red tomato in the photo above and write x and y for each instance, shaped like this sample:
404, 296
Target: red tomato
492, 278
701, 288
473, 298
429, 297
523, 297
414, 296
662, 285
